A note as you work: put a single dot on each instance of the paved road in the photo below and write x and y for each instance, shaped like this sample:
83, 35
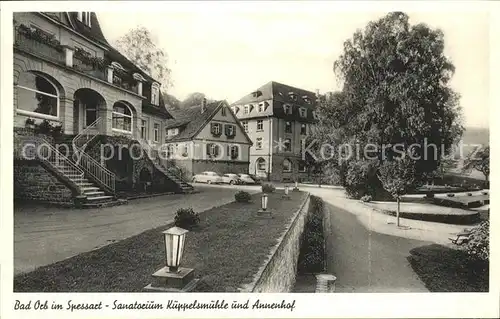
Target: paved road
46, 235
366, 261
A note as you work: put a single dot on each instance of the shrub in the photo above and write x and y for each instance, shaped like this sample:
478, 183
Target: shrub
312, 253
450, 195
429, 195
186, 218
484, 193
366, 198
242, 197
478, 246
469, 194
268, 188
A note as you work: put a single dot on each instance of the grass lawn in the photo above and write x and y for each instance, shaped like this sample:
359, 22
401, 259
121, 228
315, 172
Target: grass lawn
443, 269
226, 250
428, 212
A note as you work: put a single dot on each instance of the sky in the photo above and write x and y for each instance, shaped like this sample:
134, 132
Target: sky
227, 51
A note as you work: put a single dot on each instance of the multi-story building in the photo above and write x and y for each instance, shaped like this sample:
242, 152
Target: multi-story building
70, 81
277, 117
207, 137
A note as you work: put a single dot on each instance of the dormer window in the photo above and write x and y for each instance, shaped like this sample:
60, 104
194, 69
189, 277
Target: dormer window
292, 96
256, 93
303, 112
287, 108
117, 66
306, 99
155, 94
260, 107
246, 109
85, 17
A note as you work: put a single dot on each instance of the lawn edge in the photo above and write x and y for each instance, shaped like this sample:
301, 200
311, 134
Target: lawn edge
258, 275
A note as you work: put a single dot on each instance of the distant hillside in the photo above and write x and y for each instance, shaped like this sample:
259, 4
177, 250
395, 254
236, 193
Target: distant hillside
471, 138
474, 135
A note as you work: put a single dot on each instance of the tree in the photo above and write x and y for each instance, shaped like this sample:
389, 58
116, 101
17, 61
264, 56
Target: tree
139, 46
396, 90
192, 99
171, 101
480, 161
398, 177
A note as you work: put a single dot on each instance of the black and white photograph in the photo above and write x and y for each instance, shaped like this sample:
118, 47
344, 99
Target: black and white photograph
254, 147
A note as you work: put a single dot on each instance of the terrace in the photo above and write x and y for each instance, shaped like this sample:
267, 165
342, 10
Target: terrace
39, 43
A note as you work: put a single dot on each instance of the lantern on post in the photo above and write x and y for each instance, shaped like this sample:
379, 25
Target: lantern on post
263, 203
173, 277
174, 247
286, 196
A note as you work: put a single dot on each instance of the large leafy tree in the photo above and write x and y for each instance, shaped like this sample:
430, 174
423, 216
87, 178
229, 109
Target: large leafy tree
396, 90
140, 47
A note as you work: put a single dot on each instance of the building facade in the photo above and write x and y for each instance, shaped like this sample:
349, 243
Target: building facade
277, 117
69, 80
207, 137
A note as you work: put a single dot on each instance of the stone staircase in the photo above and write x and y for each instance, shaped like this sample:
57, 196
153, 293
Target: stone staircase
62, 162
93, 193
153, 155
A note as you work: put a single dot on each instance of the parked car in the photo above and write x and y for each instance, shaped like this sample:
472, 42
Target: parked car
207, 177
231, 179
246, 179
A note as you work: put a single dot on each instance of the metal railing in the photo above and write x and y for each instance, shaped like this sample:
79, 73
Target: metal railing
97, 171
92, 167
49, 154
86, 135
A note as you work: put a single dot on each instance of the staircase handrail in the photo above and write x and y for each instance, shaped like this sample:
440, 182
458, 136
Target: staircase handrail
58, 154
92, 167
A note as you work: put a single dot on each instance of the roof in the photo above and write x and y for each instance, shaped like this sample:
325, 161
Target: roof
276, 91
191, 121
94, 33
279, 93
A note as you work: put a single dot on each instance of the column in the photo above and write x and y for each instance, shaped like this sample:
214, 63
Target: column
68, 51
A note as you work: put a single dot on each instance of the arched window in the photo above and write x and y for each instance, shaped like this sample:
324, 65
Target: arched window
37, 96
122, 118
261, 164
287, 165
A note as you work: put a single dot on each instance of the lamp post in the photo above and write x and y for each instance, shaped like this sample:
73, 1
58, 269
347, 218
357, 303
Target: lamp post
263, 203
174, 247
286, 196
173, 277
296, 188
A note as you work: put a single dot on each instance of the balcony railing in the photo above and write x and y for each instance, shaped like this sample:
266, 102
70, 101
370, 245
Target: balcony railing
47, 46
125, 84
34, 42
84, 66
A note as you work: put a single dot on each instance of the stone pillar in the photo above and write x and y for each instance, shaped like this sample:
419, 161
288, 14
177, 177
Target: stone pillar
139, 88
110, 74
325, 283
68, 51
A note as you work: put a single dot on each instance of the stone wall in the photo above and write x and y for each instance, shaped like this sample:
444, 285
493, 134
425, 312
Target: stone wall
279, 271
33, 182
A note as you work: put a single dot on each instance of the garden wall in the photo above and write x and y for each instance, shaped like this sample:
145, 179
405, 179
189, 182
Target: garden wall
33, 182
279, 271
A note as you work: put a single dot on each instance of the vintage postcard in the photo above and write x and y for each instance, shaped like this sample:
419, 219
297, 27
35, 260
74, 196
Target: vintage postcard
248, 159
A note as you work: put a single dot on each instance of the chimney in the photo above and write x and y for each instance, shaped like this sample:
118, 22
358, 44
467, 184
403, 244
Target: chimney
317, 96
203, 105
